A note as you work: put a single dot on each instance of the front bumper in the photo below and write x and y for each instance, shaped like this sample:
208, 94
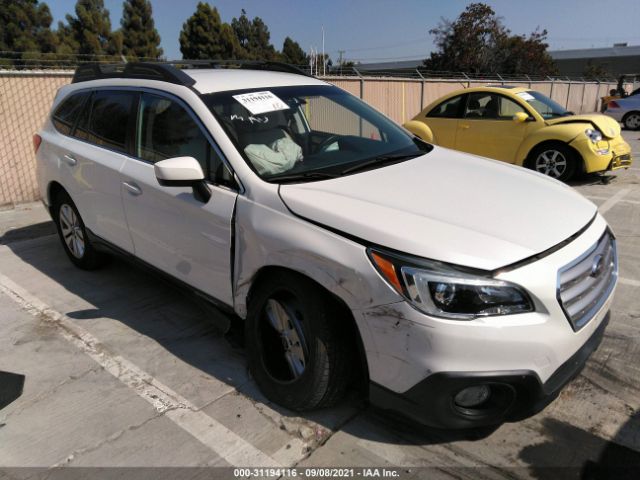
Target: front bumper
618, 154
412, 356
522, 393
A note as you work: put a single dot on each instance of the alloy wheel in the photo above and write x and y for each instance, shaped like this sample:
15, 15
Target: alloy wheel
632, 122
284, 347
72, 231
552, 163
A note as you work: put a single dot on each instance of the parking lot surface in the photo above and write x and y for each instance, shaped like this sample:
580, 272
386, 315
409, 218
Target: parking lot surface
125, 370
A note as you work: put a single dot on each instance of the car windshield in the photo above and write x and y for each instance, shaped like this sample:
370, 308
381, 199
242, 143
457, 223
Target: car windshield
543, 104
306, 133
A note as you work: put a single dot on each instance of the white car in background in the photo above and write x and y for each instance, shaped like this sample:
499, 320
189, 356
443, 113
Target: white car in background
463, 292
625, 110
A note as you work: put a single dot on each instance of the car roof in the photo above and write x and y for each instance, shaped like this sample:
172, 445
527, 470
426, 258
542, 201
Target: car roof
504, 89
210, 80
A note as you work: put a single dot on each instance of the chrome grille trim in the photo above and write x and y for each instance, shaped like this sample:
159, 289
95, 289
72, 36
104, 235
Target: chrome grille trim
580, 292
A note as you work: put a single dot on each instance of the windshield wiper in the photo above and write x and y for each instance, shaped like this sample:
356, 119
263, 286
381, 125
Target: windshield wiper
294, 177
380, 160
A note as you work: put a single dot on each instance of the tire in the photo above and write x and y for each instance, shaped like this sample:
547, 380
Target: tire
631, 121
73, 234
315, 340
554, 160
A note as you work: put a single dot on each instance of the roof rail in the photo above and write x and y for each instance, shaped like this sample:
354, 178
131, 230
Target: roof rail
141, 70
172, 71
241, 64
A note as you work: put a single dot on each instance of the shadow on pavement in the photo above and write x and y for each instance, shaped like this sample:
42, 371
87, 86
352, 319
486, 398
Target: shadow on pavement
175, 319
181, 322
586, 456
25, 233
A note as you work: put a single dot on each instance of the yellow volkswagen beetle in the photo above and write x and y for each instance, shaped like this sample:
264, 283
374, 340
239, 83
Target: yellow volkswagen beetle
523, 127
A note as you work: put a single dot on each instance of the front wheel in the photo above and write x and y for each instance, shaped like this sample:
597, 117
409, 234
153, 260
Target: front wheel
556, 161
298, 344
632, 121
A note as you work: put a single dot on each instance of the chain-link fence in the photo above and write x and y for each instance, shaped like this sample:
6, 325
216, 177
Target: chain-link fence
26, 95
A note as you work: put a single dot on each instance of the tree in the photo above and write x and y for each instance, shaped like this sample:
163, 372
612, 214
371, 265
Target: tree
25, 27
468, 44
595, 71
204, 36
67, 43
478, 42
139, 35
522, 55
89, 32
260, 45
294, 54
254, 38
242, 30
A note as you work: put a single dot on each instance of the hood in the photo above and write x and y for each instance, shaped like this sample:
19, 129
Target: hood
609, 127
447, 206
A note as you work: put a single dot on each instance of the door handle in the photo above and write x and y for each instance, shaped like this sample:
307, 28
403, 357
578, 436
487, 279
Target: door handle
70, 159
465, 126
132, 188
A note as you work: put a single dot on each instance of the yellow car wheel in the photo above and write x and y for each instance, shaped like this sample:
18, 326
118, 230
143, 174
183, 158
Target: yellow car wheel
555, 160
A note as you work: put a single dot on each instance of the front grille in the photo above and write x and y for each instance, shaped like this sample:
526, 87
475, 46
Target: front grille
585, 284
621, 161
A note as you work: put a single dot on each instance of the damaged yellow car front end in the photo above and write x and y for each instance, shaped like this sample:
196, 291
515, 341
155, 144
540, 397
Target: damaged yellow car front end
523, 127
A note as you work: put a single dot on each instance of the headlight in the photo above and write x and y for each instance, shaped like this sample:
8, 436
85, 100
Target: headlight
594, 135
446, 291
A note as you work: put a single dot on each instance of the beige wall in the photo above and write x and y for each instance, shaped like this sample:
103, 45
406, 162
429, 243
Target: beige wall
25, 100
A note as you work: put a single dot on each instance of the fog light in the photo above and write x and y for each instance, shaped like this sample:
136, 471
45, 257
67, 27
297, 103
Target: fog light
472, 396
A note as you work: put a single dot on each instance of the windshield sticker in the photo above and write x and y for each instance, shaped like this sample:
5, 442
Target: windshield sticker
251, 119
526, 96
261, 102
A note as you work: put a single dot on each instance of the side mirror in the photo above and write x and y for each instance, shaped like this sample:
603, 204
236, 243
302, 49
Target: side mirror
520, 117
183, 172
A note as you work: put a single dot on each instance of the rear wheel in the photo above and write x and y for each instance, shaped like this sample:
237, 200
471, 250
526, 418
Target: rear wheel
298, 343
556, 161
73, 234
632, 121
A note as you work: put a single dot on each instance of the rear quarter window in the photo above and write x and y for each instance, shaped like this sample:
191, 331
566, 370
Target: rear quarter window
450, 108
65, 116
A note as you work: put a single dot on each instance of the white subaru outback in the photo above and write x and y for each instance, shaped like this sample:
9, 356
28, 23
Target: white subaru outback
464, 292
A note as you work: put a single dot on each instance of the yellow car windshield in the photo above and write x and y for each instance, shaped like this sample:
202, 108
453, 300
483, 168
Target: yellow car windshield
546, 107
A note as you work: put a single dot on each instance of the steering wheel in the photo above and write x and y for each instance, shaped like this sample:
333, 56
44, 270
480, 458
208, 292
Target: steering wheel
327, 142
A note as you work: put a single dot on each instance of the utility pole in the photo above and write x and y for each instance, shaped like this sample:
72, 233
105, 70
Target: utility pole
324, 63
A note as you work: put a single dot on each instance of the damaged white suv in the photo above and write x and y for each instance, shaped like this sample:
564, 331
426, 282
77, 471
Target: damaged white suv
464, 292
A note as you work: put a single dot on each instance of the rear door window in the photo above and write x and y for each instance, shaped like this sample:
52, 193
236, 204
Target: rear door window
106, 121
65, 116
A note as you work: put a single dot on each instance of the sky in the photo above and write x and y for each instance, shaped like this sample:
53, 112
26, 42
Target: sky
387, 30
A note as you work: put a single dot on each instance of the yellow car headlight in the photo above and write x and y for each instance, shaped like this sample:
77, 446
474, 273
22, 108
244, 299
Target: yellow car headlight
594, 135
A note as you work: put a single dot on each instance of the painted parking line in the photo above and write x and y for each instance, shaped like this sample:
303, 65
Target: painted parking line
609, 204
629, 281
624, 200
219, 439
